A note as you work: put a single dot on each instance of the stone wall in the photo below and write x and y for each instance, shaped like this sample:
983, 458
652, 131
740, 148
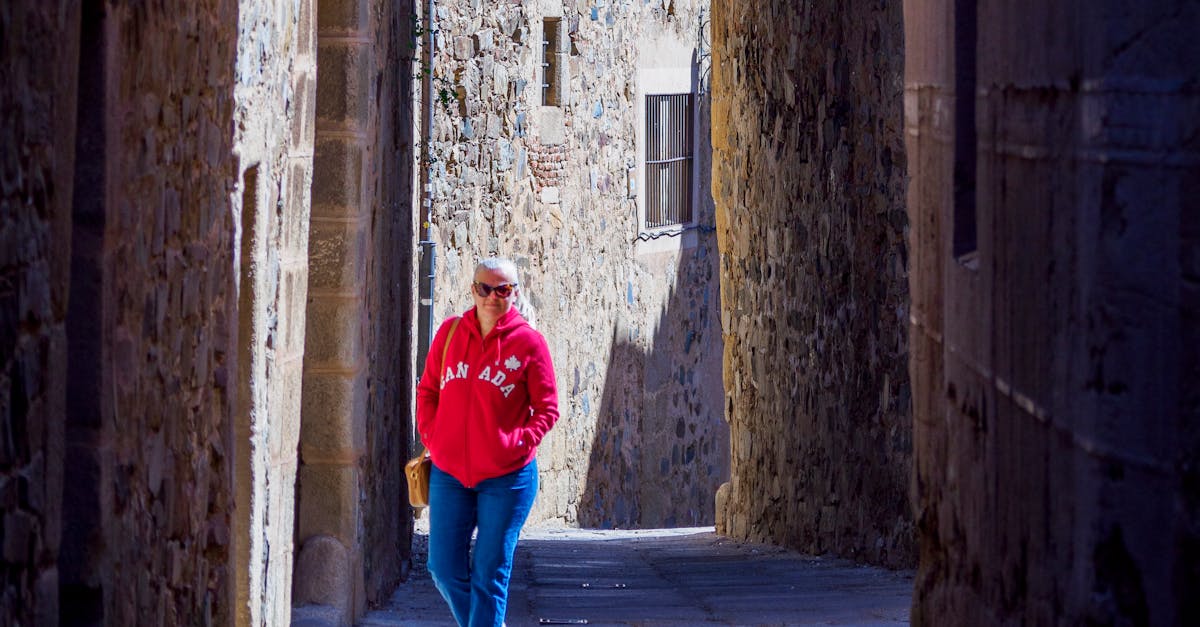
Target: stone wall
1054, 344
38, 64
808, 178
169, 313
353, 521
387, 519
275, 89
162, 214
631, 321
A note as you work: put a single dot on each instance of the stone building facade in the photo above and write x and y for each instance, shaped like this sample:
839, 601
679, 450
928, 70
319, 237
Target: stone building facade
274, 89
545, 164
36, 116
1055, 285
207, 241
808, 177
158, 171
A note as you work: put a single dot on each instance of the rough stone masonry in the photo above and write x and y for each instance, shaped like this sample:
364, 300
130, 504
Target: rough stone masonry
630, 313
808, 177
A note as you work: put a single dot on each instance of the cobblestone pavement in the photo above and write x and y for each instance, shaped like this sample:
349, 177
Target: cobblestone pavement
666, 577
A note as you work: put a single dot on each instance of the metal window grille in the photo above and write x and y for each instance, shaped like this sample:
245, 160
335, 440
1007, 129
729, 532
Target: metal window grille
668, 160
550, 60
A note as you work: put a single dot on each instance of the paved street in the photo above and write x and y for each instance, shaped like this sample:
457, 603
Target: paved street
667, 577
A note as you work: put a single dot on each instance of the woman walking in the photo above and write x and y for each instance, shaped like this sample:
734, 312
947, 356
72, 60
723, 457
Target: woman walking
486, 399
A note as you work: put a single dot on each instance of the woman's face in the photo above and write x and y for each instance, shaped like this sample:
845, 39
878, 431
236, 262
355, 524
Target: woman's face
486, 282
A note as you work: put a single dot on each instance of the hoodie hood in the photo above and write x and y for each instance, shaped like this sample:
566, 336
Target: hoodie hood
509, 322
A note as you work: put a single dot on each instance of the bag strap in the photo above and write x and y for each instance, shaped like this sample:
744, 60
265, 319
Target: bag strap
442, 372
446, 346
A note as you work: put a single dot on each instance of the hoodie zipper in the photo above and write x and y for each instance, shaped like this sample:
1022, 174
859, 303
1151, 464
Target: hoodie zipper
472, 407
476, 367
470, 412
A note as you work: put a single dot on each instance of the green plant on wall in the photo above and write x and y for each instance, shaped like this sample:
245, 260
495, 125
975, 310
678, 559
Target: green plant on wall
445, 89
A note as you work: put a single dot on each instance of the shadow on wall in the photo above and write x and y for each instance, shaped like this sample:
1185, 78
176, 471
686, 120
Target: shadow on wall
610, 498
661, 445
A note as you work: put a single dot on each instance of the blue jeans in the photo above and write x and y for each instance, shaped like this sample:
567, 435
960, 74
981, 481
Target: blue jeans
476, 585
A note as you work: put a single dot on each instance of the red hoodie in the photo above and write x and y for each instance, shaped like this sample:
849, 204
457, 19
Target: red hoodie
495, 399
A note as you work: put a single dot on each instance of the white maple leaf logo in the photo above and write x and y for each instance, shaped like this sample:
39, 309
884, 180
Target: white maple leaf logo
512, 363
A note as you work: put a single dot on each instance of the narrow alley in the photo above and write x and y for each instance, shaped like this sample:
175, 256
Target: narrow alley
685, 576
849, 312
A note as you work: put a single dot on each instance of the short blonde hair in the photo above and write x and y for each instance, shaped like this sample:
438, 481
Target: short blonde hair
502, 264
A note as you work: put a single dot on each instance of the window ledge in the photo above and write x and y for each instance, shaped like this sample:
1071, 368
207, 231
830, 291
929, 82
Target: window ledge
665, 240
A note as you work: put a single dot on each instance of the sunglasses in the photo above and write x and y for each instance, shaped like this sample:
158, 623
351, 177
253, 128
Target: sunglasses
504, 290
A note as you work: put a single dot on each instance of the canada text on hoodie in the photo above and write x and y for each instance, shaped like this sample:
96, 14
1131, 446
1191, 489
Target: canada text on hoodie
483, 412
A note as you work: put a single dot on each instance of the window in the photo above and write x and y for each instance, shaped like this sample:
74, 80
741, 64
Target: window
552, 62
668, 160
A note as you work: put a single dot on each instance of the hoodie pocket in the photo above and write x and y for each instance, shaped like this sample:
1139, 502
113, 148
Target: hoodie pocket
516, 443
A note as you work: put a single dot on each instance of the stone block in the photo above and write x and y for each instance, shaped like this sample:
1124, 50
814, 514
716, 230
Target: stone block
289, 392
464, 48
323, 576
337, 178
47, 598
343, 91
329, 501
334, 332
337, 252
20, 537
295, 223
304, 116
335, 17
334, 417
293, 294
500, 82
484, 39
306, 29
722, 509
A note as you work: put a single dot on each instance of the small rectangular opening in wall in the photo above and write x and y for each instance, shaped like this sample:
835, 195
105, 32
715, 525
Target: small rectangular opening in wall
965, 133
668, 184
551, 60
